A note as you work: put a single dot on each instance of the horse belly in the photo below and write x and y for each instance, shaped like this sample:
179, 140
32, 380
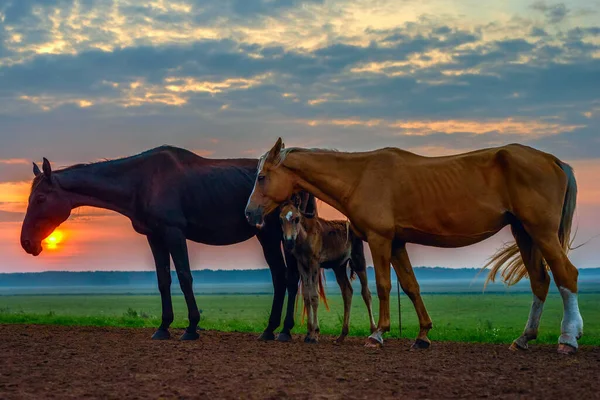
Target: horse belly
220, 235
454, 228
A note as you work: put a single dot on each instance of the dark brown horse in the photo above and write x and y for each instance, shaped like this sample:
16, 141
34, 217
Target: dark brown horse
393, 197
321, 244
170, 195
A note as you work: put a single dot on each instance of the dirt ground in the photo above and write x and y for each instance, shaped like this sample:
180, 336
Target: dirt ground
74, 362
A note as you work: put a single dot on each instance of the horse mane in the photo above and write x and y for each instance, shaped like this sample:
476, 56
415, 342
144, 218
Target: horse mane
177, 153
283, 153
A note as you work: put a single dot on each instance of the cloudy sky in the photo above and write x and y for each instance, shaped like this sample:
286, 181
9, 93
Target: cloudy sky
82, 80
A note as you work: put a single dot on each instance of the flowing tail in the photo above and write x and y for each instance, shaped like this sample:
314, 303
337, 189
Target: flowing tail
508, 259
321, 290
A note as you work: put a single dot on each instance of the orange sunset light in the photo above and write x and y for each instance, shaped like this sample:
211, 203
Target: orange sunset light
54, 240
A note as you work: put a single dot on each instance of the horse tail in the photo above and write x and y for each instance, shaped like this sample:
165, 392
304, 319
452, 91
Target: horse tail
566, 221
509, 260
322, 294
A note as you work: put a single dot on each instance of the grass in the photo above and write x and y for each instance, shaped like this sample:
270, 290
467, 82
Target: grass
491, 318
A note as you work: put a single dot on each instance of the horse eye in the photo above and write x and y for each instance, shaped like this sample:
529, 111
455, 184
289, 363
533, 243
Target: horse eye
296, 220
261, 178
40, 199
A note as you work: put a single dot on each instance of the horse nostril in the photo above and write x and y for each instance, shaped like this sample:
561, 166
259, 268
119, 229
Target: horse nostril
26, 243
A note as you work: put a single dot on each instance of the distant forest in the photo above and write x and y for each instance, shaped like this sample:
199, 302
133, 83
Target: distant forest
207, 277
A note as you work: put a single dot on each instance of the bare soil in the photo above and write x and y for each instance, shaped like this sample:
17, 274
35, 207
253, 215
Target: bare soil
114, 363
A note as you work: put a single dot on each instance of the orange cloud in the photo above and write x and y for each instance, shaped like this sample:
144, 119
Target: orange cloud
14, 161
14, 195
508, 126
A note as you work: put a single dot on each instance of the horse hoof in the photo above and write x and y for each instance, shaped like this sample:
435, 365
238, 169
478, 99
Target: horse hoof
161, 334
420, 344
566, 349
284, 337
373, 343
310, 340
190, 336
339, 340
516, 346
266, 336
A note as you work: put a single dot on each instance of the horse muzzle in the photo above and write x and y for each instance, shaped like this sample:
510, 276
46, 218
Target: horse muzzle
255, 218
31, 248
289, 244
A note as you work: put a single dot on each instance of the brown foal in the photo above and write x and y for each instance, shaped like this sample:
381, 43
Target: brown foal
393, 197
318, 243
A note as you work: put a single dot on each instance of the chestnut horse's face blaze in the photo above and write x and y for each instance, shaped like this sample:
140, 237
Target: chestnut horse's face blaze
48, 208
290, 218
273, 186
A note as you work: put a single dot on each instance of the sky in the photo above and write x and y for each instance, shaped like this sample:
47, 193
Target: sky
84, 80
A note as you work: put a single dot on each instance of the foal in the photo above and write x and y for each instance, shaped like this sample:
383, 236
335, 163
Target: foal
319, 243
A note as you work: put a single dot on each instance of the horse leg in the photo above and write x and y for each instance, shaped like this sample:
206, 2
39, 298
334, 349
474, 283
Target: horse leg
306, 288
292, 278
162, 262
344, 283
366, 295
565, 277
272, 252
176, 242
314, 301
410, 286
540, 281
381, 249
359, 265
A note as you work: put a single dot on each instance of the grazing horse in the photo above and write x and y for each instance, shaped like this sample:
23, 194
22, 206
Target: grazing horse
393, 197
170, 195
318, 243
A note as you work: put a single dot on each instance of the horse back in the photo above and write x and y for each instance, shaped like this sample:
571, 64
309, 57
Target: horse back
205, 197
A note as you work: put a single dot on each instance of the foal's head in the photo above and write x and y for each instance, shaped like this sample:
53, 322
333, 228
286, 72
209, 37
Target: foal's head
48, 207
291, 220
273, 186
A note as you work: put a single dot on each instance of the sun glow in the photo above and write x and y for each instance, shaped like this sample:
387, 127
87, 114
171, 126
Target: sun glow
54, 240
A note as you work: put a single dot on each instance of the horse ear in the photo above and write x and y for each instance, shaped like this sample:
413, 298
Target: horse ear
47, 168
296, 200
275, 150
310, 208
36, 170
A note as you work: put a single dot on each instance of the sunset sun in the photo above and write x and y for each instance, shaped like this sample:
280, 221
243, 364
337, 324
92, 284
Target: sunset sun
54, 240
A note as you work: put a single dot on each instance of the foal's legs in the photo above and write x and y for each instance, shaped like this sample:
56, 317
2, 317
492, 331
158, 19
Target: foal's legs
381, 249
306, 294
177, 245
342, 279
315, 270
162, 261
565, 276
410, 286
292, 278
539, 280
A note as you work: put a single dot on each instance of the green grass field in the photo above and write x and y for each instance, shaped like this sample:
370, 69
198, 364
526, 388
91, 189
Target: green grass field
492, 318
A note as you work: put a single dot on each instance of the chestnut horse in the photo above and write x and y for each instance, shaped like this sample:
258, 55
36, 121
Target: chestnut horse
321, 244
170, 195
393, 197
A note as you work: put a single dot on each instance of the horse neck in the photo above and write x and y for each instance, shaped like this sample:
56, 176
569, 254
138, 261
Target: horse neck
104, 185
330, 176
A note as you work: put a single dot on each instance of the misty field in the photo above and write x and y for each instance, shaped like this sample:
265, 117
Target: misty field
492, 318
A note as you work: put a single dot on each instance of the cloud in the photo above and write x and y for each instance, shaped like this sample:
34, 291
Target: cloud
554, 13
13, 161
530, 129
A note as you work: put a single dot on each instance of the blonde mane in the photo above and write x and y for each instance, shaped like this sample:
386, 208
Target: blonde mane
283, 153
